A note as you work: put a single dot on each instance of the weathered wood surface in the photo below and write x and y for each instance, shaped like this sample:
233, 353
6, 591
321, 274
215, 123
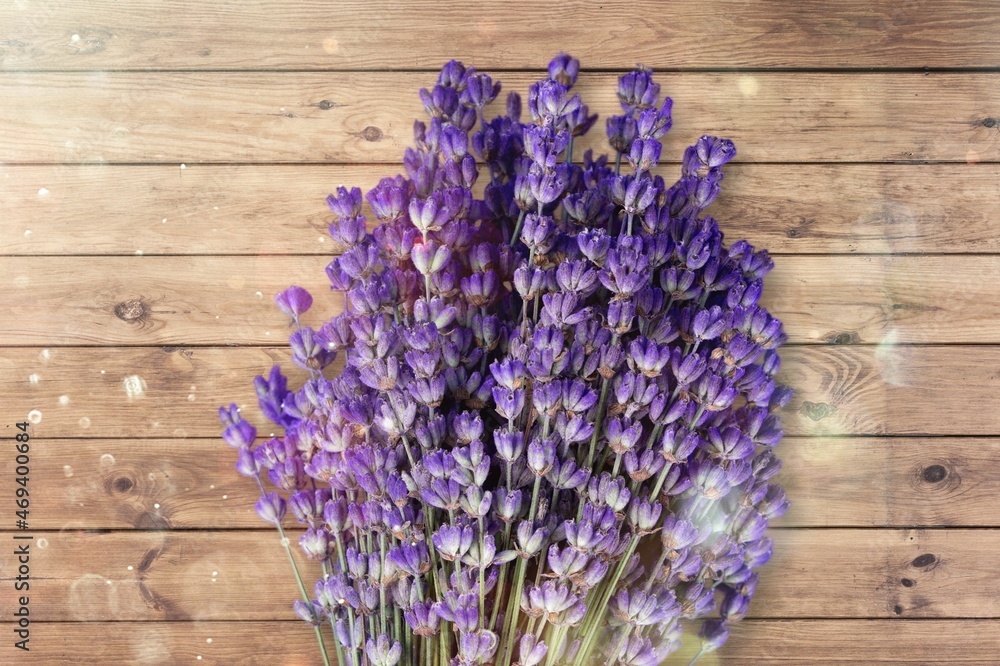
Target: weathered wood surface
212, 132
368, 117
833, 482
174, 391
192, 300
236, 575
762, 642
280, 209
311, 34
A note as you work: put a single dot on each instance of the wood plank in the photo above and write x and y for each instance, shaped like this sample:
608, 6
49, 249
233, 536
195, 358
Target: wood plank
160, 300
185, 34
271, 117
861, 642
278, 642
229, 300
229, 575
890, 481
111, 209
832, 482
145, 484
880, 390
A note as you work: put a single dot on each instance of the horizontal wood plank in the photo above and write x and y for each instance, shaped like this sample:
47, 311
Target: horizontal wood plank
185, 34
890, 481
279, 209
184, 575
291, 642
229, 300
368, 117
832, 482
174, 391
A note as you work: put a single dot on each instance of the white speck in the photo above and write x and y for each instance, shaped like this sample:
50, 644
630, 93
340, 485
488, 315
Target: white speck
74, 38
211, 487
135, 386
193, 387
184, 166
156, 506
33, 378
102, 372
271, 435
152, 477
43, 543
225, 497
42, 192
282, 108
108, 582
156, 424
190, 397
322, 239
27, 232
107, 459
64, 400
260, 295
45, 355
215, 208
22, 281
129, 567
208, 640
163, 221
267, 333
216, 316
138, 252
68, 471
213, 580
84, 422
214, 574
35, 416
199, 657
748, 85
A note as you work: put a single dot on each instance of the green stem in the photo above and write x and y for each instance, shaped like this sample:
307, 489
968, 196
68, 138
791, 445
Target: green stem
514, 603
517, 228
305, 595
482, 576
599, 608
381, 584
598, 423
298, 579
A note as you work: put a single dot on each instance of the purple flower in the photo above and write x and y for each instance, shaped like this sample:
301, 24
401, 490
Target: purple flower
542, 378
271, 508
564, 69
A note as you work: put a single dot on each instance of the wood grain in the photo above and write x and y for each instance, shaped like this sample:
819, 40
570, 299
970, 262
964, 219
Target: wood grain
890, 481
368, 117
279, 209
229, 575
191, 300
186, 34
293, 643
832, 482
881, 390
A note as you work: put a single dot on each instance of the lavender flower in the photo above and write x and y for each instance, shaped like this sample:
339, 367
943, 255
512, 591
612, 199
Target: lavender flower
551, 438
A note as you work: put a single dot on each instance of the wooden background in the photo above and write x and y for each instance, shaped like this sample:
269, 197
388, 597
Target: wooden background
163, 165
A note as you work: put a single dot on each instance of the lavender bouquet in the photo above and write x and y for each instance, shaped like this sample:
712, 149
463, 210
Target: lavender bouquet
551, 438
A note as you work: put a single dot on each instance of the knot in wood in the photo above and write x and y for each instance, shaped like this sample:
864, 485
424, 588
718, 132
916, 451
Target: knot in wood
132, 310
